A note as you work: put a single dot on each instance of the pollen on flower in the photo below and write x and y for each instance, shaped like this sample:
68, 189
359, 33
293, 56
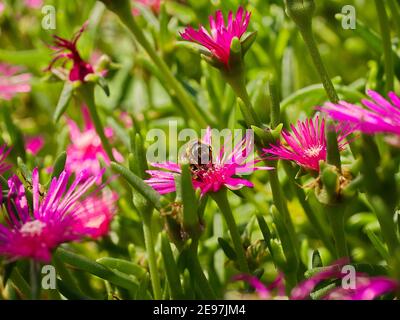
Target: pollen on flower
32, 228
313, 151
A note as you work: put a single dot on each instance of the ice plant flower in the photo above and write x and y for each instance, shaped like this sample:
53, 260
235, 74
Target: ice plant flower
34, 144
306, 144
86, 148
3, 155
67, 50
366, 288
210, 176
219, 40
64, 213
12, 81
379, 116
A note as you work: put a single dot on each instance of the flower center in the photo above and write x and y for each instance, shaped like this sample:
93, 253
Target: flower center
32, 228
313, 151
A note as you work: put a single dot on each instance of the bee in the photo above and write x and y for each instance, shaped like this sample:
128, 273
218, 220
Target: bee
199, 155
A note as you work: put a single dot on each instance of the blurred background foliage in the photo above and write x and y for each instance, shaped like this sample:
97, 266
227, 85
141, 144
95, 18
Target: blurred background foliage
352, 62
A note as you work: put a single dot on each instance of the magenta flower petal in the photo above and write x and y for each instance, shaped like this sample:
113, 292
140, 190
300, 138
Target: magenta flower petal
262, 291
3, 155
366, 289
304, 289
379, 116
219, 40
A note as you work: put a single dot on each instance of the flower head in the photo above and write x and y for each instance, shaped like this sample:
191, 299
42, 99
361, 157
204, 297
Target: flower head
306, 145
218, 42
65, 213
86, 147
209, 175
67, 50
3, 155
380, 115
12, 81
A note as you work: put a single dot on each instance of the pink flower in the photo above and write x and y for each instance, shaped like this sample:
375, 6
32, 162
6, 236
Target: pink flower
64, 213
3, 155
34, 4
2, 7
34, 144
306, 145
152, 4
210, 176
380, 115
220, 39
366, 288
65, 49
86, 147
13, 82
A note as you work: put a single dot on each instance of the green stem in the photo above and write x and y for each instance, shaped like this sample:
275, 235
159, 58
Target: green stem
279, 200
88, 95
275, 101
151, 255
306, 32
197, 274
312, 218
336, 219
221, 199
35, 279
238, 84
387, 44
126, 17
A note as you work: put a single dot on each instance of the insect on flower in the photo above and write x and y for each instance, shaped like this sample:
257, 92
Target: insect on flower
199, 155
210, 172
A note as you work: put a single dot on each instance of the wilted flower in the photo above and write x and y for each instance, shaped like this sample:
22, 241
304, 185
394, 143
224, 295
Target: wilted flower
3, 155
209, 175
34, 144
381, 115
64, 213
306, 145
86, 147
12, 81
220, 39
366, 288
67, 50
